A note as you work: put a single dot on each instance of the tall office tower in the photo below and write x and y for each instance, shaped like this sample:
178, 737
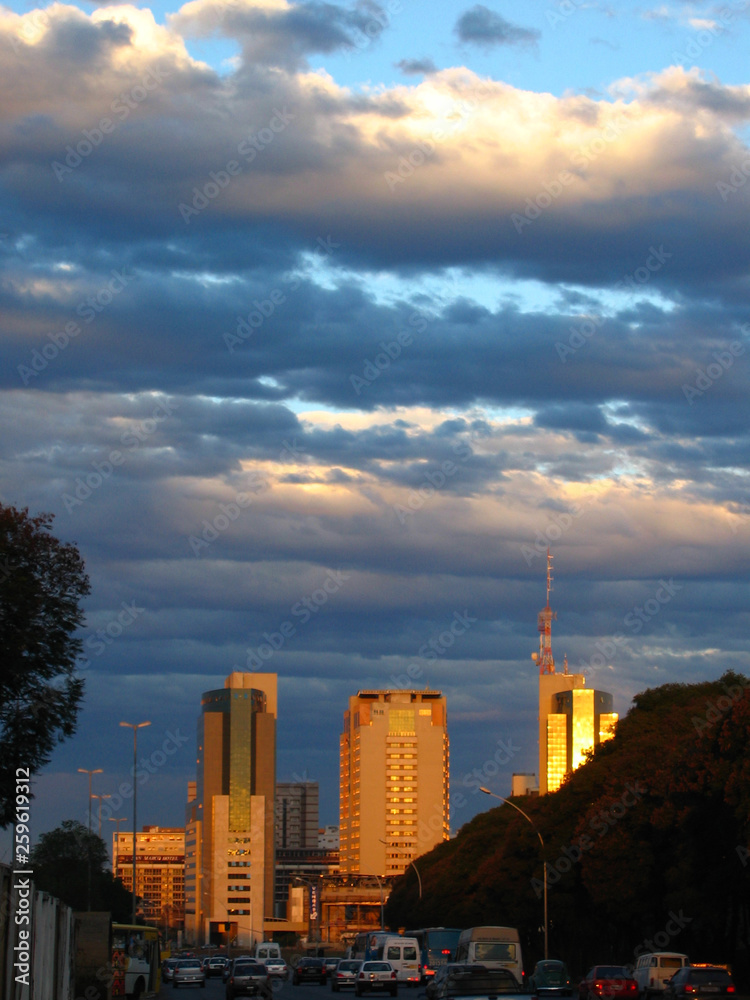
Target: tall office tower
297, 815
572, 717
393, 780
229, 868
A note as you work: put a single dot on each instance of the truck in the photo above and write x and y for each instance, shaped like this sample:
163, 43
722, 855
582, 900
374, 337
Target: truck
492, 947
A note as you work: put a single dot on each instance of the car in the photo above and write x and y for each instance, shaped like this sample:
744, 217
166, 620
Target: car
230, 963
188, 972
613, 982
309, 970
345, 974
551, 978
248, 978
216, 965
699, 981
330, 963
444, 970
204, 963
277, 968
476, 982
373, 976
167, 968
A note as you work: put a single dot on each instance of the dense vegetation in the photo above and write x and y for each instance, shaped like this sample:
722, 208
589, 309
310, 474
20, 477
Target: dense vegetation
71, 863
42, 583
647, 844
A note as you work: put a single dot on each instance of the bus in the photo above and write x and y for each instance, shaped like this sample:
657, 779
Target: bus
136, 961
493, 947
437, 945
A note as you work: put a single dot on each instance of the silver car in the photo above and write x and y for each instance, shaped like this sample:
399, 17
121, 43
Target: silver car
188, 972
345, 974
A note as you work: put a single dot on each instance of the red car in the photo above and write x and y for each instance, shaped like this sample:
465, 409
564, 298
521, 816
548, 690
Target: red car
612, 982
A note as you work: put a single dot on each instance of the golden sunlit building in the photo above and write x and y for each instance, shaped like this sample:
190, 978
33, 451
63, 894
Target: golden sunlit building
160, 873
572, 717
229, 868
394, 774
572, 720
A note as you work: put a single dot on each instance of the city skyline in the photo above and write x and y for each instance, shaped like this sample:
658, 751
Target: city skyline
320, 323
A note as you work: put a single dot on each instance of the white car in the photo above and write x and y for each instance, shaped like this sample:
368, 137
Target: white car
376, 976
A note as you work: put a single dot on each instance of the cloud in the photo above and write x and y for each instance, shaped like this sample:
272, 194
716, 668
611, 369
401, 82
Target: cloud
481, 26
278, 33
417, 67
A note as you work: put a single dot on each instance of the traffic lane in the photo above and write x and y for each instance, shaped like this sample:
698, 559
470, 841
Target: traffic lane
215, 988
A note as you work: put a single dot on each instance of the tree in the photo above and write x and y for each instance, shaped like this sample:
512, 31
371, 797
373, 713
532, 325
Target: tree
647, 843
42, 581
62, 862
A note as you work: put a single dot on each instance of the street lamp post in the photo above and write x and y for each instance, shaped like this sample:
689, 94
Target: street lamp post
544, 853
100, 797
402, 851
116, 848
97, 770
135, 726
85, 770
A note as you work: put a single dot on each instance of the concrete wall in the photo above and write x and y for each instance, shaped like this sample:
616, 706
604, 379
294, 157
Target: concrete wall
36, 942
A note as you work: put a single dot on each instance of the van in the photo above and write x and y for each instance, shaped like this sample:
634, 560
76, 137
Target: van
654, 968
492, 947
403, 954
267, 949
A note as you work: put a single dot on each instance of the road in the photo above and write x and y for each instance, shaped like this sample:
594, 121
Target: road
215, 991
283, 991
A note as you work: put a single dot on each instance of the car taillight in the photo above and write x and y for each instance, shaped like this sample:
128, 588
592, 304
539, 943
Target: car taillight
689, 988
393, 974
361, 975
598, 987
730, 989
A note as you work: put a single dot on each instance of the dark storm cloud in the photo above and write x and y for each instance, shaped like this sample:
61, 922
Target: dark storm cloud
481, 26
282, 345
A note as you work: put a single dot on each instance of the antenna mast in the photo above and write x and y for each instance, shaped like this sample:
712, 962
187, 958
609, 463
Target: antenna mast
546, 617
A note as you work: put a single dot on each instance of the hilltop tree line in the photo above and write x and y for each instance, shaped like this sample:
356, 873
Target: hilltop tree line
647, 844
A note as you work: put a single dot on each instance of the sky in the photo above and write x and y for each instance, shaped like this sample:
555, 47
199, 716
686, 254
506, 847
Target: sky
320, 322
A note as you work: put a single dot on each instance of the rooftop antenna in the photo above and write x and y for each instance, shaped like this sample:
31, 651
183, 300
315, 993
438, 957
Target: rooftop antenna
546, 616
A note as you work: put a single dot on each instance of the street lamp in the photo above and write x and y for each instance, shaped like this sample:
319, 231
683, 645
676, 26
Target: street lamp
85, 770
97, 770
544, 854
100, 797
402, 851
116, 848
135, 726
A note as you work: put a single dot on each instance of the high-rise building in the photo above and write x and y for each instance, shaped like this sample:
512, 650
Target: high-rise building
229, 869
393, 778
572, 717
160, 872
297, 815
300, 861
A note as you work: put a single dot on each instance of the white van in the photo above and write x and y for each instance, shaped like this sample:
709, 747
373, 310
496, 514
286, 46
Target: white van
403, 954
492, 947
652, 969
267, 949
